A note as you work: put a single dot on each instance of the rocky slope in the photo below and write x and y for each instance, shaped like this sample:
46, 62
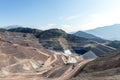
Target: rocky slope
22, 57
103, 68
60, 41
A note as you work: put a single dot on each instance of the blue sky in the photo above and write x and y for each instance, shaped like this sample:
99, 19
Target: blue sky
70, 15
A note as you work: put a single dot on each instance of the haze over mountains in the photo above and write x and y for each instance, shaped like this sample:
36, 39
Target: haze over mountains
107, 32
88, 36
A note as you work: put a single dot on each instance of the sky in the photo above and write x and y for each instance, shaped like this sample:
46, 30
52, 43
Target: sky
69, 15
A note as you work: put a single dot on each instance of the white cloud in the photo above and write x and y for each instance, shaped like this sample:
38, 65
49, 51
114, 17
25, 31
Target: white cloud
100, 20
92, 21
68, 28
51, 25
65, 27
47, 26
69, 17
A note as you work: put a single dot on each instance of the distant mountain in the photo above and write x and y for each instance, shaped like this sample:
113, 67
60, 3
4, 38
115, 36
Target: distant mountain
36, 32
107, 32
88, 36
2, 30
12, 26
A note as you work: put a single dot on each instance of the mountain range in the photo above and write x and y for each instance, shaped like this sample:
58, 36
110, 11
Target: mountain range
107, 32
60, 41
88, 36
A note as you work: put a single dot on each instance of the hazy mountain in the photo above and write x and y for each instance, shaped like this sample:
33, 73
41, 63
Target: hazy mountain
2, 30
12, 26
25, 30
107, 32
88, 36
